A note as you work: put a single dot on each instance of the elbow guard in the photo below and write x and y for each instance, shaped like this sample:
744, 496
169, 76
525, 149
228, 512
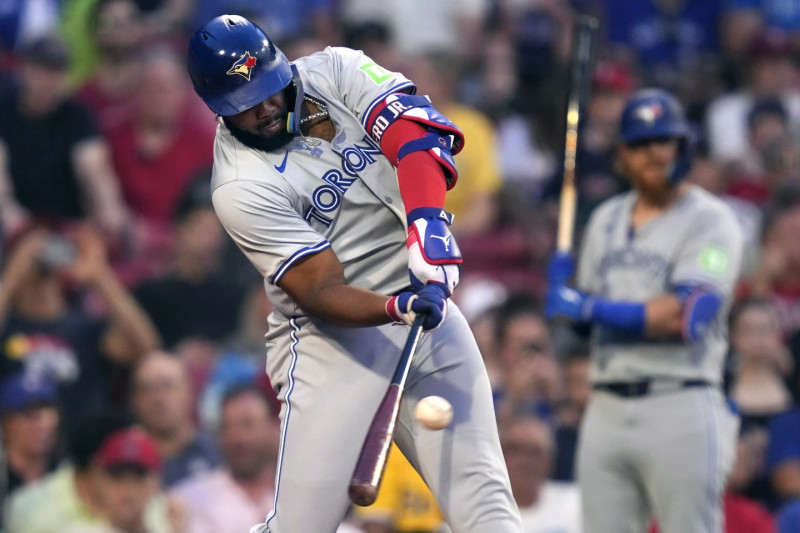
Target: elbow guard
700, 308
440, 138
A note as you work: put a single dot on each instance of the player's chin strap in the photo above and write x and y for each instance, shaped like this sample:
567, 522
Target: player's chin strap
293, 117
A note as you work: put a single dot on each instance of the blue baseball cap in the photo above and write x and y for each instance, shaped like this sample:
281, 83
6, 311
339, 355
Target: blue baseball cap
22, 391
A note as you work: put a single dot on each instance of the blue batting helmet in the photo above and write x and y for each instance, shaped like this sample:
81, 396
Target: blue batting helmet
653, 113
234, 65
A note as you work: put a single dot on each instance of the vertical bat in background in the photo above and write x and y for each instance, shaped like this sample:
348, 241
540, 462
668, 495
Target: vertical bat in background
580, 74
372, 461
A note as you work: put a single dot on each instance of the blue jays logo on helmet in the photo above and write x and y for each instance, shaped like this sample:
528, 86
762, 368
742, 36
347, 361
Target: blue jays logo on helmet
649, 112
243, 66
654, 113
234, 65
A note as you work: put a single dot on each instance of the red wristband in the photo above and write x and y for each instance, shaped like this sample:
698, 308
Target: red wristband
391, 309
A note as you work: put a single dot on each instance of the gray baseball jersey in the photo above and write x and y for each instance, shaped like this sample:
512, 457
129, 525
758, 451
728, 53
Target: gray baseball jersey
284, 205
667, 453
696, 242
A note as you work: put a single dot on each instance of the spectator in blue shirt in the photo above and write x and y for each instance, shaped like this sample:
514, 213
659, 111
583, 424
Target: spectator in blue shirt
665, 36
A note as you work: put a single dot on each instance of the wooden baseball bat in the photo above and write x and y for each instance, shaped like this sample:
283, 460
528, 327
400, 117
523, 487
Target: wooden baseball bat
372, 461
580, 74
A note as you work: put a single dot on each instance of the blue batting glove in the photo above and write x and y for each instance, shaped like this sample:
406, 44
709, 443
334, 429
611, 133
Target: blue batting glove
563, 300
430, 300
560, 268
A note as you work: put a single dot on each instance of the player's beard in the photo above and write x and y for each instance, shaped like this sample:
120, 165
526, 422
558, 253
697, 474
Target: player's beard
261, 142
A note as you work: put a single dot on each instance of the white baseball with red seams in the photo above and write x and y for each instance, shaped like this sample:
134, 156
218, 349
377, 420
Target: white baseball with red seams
433, 412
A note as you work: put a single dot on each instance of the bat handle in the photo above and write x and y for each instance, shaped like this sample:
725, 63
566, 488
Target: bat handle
411, 345
566, 218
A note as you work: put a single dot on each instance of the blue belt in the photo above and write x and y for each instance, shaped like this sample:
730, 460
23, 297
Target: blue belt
636, 389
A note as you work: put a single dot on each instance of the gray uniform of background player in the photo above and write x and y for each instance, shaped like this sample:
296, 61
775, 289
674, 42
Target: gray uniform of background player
282, 206
671, 449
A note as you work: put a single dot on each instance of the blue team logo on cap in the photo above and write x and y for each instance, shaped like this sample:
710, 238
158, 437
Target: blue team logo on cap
243, 66
649, 112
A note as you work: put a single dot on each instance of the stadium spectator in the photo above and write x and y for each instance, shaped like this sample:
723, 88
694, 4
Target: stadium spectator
479, 299
527, 151
545, 505
164, 405
242, 359
569, 412
531, 383
195, 298
232, 498
761, 362
127, 467
664, 36
748, 483
474, 201
771, 72
165, 143
240, 492
744, 20
777, 275
767, 123
30, 423
72, 499
782, 161
46, 333
118, 33
449, 27
75, 179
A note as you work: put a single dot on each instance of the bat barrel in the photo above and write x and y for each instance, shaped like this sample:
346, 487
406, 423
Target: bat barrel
363, 494
371, 461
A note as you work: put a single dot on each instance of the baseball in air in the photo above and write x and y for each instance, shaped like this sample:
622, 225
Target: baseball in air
433, 412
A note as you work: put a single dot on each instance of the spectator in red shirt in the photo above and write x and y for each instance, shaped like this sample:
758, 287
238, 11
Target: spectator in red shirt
118, 33
165, 144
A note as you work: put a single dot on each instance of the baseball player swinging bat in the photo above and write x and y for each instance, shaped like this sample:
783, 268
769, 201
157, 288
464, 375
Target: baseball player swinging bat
375, 450
583, 43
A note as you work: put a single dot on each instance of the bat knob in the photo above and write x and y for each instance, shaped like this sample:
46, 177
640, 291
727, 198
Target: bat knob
363, 494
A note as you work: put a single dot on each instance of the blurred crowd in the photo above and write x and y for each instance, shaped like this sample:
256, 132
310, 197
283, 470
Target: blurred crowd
132, 391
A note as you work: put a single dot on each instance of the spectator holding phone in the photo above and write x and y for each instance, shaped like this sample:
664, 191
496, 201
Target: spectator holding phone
44, 332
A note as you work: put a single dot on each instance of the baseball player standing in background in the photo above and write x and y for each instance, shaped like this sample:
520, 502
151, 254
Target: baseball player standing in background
330, 175
655, 281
